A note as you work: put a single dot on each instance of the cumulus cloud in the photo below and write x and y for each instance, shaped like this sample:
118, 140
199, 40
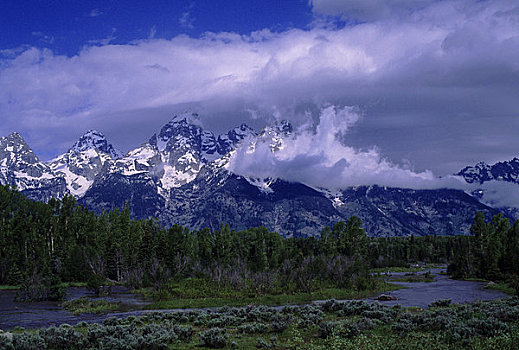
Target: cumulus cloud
438, 89
318, 158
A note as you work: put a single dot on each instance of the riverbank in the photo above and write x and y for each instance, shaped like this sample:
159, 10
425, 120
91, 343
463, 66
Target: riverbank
418, 294
186, 294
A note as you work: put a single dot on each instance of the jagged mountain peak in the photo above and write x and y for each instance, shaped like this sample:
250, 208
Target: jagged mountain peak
15, 143
507, 171
185, 126
14, 149
19, 166
94, 139
15, 137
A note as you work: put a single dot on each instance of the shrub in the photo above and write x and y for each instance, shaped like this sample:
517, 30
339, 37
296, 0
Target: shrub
5, 342
214, 338
489, 327
252, 328
61, 338
184, 333
263, 344
402, 326
327, 329
330, 305
440, 303
110, 321
28, 341
281, 322
39, 287
367, 323
350, 330
225, 321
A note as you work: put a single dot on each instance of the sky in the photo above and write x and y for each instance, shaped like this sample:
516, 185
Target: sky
419, 87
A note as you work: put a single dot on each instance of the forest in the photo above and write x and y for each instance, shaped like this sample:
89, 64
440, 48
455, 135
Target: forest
43, 245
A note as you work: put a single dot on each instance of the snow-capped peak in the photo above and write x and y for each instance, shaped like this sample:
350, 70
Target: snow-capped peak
84, 161
14, 150
94, 139
20, 167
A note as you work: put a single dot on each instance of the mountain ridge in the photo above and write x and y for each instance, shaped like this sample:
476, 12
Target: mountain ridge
181, 176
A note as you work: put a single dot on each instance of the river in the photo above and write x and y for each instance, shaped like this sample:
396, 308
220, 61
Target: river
46, 314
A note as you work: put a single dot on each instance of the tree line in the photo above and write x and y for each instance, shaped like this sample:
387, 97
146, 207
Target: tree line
60, 241
491, 252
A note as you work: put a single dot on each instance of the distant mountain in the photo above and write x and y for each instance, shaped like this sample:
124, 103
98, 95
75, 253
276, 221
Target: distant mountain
181, 176
502, 171
84, 161
21, 168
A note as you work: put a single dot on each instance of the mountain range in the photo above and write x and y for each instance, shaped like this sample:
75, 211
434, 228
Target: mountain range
181, 176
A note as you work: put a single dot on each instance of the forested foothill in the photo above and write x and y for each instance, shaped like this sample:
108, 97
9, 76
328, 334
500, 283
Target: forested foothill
45, 244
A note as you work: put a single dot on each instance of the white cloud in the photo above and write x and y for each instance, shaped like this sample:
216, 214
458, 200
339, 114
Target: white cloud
317, 158
186, 20
429, 87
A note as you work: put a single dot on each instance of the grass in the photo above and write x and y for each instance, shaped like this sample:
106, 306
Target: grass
72, 284
85, 305
404, 268
475, 279
502, 287
6, 287
188, 299
414, 278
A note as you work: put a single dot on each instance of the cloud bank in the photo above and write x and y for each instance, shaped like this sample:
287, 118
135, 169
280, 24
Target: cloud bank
318, 158
437, 83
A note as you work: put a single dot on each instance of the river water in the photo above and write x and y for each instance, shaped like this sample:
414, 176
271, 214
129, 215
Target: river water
46, 314
423, 293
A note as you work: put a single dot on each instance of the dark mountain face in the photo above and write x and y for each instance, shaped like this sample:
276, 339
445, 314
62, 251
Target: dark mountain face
116, 190
385, 211
180, 176
503, 171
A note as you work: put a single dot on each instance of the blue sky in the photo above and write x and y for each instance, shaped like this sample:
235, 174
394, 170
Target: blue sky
67, 26
429, 86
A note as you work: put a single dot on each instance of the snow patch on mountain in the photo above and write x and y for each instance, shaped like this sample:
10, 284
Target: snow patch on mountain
84, 161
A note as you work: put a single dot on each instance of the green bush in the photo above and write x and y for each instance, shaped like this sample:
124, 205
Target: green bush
327, 329
28, 341
440, 303
252, 328
214, 338
281, 322
61, 338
